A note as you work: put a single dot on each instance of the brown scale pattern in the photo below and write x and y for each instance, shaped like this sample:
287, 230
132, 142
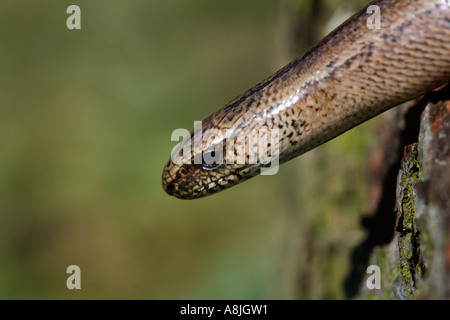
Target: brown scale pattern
352, 75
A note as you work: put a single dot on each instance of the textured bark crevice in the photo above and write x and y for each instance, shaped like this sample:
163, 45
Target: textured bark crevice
415, 261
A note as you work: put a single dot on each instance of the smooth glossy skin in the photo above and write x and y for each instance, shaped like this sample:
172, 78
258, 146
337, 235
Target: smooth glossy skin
352, 75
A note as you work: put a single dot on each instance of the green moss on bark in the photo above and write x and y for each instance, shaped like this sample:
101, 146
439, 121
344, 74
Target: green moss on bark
411, 263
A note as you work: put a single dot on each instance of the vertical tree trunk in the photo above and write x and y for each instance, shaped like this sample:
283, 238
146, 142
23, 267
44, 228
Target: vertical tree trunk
415, 264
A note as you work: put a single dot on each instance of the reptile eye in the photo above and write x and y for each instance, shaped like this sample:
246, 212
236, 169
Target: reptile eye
211, 159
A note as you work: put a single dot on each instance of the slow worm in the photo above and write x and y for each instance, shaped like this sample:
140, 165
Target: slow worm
352, 75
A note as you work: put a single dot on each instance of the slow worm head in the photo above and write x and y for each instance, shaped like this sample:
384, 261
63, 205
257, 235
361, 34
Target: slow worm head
352, 75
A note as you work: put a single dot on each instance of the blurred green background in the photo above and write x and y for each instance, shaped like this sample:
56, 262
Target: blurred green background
85, 123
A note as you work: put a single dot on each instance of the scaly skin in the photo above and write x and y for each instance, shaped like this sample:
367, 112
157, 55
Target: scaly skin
352, 75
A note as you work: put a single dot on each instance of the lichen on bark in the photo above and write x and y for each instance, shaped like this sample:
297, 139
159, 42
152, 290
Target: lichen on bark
411, 264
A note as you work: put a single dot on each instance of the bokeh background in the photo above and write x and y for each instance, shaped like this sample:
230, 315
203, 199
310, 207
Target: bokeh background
86, 118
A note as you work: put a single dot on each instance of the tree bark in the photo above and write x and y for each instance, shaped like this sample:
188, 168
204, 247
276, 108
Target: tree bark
414, 253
